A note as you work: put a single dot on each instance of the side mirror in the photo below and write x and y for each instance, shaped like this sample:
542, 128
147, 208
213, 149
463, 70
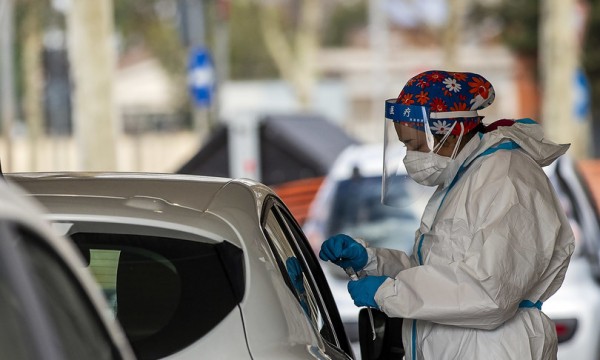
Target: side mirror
381, 338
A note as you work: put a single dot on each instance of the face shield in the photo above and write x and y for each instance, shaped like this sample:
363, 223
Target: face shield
415, 128
404, 130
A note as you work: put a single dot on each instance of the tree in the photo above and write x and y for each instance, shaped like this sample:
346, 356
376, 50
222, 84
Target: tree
151, 25
270, 39
92, 57
520, 23
30, 33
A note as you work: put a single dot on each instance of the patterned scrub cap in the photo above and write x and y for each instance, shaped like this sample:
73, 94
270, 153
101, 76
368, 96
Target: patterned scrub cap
449, 97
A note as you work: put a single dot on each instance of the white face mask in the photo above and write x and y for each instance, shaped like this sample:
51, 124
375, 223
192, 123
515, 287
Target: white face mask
426, 168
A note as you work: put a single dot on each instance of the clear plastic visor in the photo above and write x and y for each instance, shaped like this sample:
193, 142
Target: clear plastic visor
406, 129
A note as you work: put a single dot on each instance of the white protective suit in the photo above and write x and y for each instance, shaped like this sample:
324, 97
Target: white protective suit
489, 247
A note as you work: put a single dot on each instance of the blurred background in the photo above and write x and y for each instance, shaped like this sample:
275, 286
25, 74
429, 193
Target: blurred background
272, 90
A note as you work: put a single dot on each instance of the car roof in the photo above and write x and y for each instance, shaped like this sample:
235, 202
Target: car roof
187, 202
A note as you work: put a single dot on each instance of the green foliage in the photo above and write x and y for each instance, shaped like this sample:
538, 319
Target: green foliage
29, 16
139, 24
248, 54
519, 20
345, 19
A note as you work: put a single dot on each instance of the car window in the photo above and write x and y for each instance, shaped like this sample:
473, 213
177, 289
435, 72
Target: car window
166, 292
283, 237
76, 323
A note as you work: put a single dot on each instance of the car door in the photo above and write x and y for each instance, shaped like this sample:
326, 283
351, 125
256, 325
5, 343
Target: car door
304, 277
45, 312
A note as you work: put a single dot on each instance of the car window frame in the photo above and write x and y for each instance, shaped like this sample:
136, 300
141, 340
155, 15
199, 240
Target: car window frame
312, 269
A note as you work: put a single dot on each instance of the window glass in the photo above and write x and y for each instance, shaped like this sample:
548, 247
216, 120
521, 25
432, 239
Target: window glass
76, 322
297, 272
103, 266
337, 344
165, 292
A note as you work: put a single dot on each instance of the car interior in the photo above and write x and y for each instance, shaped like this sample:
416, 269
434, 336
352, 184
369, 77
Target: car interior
165, 292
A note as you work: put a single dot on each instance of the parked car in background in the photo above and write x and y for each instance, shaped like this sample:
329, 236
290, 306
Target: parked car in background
351, 191
575, 308
197, 267
50, 306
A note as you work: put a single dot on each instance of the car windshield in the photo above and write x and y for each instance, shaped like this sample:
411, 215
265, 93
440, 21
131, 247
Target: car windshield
358, 212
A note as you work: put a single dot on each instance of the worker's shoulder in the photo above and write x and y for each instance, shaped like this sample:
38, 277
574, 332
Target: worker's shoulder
512, 166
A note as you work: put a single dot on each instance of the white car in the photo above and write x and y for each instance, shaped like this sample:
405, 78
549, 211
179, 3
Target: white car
352, 189
575, 308
50, 306
197, 267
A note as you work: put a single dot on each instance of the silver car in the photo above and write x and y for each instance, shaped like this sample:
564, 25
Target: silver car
197, 267
50, 306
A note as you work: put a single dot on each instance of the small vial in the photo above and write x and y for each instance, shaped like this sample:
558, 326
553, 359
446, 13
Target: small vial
351, 273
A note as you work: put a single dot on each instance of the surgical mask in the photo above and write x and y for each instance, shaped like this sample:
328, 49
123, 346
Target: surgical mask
426, 168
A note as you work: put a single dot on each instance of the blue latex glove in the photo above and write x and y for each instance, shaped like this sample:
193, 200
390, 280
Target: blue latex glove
363, 290
295, 272
344, 251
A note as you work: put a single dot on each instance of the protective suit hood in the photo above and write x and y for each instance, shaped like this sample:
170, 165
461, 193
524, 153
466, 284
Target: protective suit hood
529, 135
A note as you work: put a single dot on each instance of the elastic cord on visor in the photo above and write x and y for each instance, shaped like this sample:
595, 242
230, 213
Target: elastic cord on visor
443, 140
462, 130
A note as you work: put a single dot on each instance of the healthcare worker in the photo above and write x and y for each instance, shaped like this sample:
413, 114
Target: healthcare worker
493, 242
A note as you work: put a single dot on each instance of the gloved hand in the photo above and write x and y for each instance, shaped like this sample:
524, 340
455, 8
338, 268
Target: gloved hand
295, 272
344, 251
363, 290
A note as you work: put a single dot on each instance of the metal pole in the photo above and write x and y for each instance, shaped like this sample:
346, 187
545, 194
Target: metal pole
221, 53
93, 58
193, 18
378, 39
456, 12
7, 78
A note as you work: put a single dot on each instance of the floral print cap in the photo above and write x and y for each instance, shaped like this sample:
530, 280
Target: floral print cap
450, 97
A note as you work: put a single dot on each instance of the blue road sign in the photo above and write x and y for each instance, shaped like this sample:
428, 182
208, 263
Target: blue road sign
201, 77
582, 96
